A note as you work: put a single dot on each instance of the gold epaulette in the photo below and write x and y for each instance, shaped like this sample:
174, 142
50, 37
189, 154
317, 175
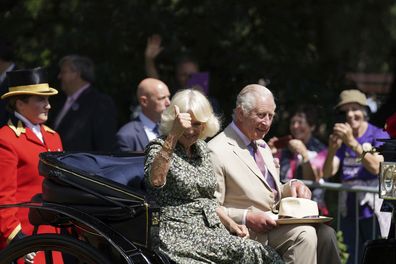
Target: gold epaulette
19, 129
48, 129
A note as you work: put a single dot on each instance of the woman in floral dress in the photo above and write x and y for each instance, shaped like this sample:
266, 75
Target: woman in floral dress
179, 176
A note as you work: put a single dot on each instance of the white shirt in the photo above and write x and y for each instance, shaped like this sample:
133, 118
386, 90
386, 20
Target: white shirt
68, 104
242, 136
35, 128
148, 126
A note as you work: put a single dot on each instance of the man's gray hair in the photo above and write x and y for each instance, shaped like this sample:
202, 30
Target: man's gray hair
83, 65
246, 99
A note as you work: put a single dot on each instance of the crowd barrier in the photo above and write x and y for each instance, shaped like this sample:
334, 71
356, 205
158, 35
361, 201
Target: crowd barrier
339, 188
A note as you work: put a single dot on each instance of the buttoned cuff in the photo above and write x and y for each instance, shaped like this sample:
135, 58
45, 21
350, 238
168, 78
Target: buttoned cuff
244, 217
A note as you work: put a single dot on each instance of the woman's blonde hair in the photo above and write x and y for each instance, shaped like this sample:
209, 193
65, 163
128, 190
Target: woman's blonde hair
193, 101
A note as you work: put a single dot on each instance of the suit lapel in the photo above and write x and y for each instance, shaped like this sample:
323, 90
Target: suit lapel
242, 152
141, 134
32, 137
20, 129
74, 109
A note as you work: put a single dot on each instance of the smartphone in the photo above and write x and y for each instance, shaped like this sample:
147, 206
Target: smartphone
282, 142
340, 117
199, 81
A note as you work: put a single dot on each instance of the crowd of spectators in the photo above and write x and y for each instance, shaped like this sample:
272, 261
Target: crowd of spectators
237, 180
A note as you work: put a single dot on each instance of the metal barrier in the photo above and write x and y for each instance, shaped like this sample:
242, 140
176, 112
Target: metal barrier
339, 187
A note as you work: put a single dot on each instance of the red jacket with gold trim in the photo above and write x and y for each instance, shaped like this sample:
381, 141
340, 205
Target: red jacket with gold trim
19, 175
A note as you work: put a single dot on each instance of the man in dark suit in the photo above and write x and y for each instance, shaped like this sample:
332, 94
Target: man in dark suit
153, 96
88, 119
6, 65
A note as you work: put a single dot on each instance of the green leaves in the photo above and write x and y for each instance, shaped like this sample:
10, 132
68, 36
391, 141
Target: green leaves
304, 48
342, 247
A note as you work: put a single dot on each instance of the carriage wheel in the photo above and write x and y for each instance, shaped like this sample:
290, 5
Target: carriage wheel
52, 243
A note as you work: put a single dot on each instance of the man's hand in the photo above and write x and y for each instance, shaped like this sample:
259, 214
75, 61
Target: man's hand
300, 190
153, 47
260, 222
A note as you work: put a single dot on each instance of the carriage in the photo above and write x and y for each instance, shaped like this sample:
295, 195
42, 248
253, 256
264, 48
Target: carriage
99, 203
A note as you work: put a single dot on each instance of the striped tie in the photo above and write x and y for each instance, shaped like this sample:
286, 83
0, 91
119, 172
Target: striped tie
267, 176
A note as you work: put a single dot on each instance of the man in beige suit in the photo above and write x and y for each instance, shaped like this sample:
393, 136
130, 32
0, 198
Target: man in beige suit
249, 191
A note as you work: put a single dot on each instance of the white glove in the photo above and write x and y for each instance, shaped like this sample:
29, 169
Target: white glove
29, 258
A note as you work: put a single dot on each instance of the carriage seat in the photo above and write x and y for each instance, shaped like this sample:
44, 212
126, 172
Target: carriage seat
74, 178
106, 186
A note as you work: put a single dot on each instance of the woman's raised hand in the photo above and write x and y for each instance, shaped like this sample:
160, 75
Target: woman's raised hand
181, 123
344, 132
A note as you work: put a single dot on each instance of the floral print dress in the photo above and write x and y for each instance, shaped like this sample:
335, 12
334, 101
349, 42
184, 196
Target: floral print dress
190, 230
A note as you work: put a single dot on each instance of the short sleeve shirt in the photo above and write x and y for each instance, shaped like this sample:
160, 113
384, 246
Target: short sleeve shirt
352, 168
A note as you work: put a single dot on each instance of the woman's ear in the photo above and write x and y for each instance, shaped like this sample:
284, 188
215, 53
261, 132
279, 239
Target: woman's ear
19, 105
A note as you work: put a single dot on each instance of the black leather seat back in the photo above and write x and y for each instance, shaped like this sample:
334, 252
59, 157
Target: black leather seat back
108, 187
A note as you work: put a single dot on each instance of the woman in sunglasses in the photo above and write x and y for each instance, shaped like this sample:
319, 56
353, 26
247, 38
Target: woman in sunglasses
349, 154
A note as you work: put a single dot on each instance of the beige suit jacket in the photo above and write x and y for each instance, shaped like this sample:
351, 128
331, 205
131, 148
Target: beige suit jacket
240, 184
241, 187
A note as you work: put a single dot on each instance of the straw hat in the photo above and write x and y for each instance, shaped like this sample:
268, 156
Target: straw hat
29, 81
352, 96
299, 211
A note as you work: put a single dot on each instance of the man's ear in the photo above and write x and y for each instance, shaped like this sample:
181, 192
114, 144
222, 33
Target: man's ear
77, 75
143, 100
239, 114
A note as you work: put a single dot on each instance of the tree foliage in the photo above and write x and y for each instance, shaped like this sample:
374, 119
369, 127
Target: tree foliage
303, 47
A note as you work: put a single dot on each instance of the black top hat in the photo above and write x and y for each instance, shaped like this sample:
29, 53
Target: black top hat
29, 81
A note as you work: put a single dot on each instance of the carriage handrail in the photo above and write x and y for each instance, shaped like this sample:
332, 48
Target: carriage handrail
340, 187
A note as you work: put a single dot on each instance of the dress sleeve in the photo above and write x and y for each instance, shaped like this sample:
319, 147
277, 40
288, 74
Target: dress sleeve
150, 153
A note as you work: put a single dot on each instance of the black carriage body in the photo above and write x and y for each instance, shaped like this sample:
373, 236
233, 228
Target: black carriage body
107, 187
